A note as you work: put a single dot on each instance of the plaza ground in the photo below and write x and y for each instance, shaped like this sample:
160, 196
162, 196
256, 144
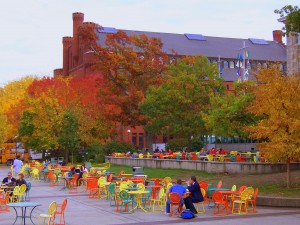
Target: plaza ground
84, 211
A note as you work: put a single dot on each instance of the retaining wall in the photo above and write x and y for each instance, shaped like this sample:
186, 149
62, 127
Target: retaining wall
208, 166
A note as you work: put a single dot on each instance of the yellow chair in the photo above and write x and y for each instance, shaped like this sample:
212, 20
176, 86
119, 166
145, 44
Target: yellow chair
198, 204
169, 186
35, 174
244, 196
141, 186
141, 156
102, 187
210, 157
105, 165
158, 202
50, 215
167, 180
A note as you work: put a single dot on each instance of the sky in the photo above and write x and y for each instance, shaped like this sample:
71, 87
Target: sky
32, 30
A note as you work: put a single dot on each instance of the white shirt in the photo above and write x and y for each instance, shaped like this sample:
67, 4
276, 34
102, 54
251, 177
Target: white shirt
17, 165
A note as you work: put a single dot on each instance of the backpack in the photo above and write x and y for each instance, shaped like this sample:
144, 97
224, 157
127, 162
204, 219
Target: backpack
187, 214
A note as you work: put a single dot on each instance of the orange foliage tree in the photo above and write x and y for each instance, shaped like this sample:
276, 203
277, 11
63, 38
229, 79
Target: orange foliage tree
129, 65
277, 102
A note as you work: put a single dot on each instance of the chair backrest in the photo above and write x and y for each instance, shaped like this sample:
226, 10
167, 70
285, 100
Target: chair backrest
242, 188
140, 186
123, 186
109, 177
219, 184
255, 194
124, 195
210, 157
121, 173
64, 205
203, 185
75, 177
156, 181
203, 192
244, 195
217, 196
161, 193
23, 188
151, 183
148, 195
16, 190
174, 198
167, 180
111, 188
52, 208
233, 188
169, 186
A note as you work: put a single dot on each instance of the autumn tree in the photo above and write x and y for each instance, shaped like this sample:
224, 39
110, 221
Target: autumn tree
277, 101
292, 18
228, 116
129, 65
177, 105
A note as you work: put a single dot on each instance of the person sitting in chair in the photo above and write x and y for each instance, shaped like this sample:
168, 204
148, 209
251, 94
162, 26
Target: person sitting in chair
9, 180
178, 188
195, 195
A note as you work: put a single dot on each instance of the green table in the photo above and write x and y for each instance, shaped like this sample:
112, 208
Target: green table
23, 206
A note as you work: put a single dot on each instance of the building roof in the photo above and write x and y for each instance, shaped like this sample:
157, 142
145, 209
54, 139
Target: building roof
227, 48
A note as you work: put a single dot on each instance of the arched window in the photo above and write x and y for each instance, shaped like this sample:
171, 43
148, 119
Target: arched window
225, 64
258, 66
231, 64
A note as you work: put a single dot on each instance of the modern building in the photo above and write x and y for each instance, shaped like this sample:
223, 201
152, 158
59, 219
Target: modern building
227, 52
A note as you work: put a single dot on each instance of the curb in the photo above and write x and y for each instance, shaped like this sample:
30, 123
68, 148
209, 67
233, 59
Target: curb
278, 201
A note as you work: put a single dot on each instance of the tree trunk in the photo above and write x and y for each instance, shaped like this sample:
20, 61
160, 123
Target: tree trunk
288, 174
43, 155
66, 155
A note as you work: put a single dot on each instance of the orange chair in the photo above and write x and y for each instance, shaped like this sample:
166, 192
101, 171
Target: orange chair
73, 184
203, 185
219, 202
4, 199
109, 177
92, 186
61, 212
253, 200
175, 203
220, 183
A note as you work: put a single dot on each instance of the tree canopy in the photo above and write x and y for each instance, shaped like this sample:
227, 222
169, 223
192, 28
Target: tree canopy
292, 19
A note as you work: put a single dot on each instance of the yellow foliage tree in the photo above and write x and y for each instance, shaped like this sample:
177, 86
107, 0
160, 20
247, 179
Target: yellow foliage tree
277, 101
11, 98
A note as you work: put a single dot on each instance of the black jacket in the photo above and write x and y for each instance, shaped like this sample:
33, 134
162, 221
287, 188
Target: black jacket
196, 194
12, 182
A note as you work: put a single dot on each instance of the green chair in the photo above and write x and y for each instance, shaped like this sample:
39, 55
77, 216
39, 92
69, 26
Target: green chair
111, 195
147, 198
125, 202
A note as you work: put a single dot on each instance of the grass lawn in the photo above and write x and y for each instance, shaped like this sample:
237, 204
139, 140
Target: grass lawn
268, 184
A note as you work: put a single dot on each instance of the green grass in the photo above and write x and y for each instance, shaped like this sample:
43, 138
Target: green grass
268, 184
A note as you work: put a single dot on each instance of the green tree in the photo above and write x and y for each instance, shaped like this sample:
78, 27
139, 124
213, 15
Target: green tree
176, 106
292, 18
69, 138
228, 115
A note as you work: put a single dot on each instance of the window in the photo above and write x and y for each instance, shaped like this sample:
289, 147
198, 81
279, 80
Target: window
265, 65
165, 139
281, 67
258, 66
141, 140
225, 64
227, 86
231, 64
134, 139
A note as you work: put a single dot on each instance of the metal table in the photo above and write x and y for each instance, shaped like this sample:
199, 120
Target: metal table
23, 206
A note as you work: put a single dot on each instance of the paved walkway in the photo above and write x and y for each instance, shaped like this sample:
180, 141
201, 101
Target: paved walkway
84, 211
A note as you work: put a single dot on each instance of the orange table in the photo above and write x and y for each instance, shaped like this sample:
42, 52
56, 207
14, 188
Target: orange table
226, 195
155, 189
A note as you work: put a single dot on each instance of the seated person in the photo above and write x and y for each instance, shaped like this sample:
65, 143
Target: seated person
20, 180
178, 188
195, 195
72, 172
9, 180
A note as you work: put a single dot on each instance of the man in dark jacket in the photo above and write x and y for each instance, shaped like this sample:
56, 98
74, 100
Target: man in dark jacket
9, 180
195, 195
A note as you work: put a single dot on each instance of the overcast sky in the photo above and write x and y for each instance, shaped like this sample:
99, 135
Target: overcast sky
32, 30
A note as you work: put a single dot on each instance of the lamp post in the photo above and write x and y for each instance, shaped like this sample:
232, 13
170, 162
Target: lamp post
128, 132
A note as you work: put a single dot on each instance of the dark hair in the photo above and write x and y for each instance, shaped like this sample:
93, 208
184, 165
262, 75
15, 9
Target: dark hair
193, 178
179, 181
18, 156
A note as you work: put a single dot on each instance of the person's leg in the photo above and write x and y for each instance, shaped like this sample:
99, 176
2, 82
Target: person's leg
168, 206
189, 205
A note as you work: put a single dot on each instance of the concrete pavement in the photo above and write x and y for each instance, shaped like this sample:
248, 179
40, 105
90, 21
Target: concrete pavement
84, 211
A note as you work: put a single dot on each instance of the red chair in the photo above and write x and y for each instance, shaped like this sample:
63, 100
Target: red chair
92, 186
219, 202
203, 185
60, 210
175, 203
4, 199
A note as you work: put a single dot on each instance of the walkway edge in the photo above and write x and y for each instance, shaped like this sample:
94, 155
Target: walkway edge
278, 201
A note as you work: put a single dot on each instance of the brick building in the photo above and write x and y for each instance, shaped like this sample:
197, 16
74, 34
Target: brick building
222, 50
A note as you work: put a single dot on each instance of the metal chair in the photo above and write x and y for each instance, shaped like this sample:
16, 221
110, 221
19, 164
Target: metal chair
49, 215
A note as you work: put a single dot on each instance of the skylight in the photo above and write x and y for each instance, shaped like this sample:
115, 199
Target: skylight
257, 41
197, 37
109, 30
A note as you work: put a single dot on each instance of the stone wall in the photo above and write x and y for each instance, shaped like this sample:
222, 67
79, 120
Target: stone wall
211, 167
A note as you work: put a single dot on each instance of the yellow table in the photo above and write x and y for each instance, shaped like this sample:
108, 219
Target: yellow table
138, 195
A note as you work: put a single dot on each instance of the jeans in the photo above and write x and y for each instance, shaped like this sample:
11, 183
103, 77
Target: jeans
168, 203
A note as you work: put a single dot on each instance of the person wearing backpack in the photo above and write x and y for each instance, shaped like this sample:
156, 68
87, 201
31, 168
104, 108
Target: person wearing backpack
195, 195
178, 188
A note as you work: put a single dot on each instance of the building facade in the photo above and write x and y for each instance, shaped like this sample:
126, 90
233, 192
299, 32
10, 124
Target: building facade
227, 52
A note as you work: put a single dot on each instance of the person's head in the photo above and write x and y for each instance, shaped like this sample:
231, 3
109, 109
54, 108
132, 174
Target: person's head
18, 157
179, 181
21, 176
193, 178
9, 175
73, 168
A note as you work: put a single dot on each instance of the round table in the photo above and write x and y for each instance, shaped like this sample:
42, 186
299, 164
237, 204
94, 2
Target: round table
139, 203
23, 206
